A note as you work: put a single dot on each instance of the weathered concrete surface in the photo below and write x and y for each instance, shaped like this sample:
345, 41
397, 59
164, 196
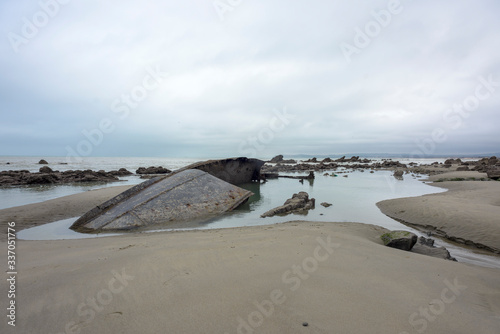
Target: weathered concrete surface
182, 196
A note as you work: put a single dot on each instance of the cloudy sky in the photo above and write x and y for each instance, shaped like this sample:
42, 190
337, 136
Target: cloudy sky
205, 78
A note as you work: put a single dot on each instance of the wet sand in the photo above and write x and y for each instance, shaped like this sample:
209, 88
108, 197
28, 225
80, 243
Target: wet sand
467, 213
336, 277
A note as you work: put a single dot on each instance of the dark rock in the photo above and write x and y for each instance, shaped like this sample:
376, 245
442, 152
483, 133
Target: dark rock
325, 204
46, 169
398, 174
276, 159
399, 239
426, 241
42, 179
120, 172
153, 170
312, 160
43, 162
48, 176
462, 169
299, 203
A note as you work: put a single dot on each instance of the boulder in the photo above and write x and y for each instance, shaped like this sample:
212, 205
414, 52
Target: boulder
43, 162
462, 169
299, 203
120, 172
399, 239
326, 205
46, 169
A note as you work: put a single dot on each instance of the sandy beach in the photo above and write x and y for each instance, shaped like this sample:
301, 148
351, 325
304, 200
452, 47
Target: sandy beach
467, 213
334, 277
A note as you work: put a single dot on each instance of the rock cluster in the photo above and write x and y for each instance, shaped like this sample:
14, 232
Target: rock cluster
299, 203
323, 166
47, 176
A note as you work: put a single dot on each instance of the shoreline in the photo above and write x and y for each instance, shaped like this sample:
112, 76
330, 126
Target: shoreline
36, 214
467, 213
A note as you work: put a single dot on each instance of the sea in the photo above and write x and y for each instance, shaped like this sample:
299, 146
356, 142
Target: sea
353, 195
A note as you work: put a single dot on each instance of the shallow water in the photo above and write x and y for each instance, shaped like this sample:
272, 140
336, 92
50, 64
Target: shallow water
353, 199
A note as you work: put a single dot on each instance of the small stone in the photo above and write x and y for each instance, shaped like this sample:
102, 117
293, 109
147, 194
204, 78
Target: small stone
305, 324
325, 204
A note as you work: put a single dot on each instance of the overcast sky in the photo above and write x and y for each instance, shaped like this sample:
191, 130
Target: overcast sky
204, 78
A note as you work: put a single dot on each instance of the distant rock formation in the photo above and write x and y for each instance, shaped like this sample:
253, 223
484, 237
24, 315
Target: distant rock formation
276, 159
279, 160
153, 170
43, 162
299, 203
47, 176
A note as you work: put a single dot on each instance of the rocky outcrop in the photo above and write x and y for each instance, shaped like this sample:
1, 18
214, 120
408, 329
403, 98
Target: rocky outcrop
121, 172
399, 239
48, 176
279, 160
46, 169
326, 205
153, 170
299, 203
43, 162
276, 159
